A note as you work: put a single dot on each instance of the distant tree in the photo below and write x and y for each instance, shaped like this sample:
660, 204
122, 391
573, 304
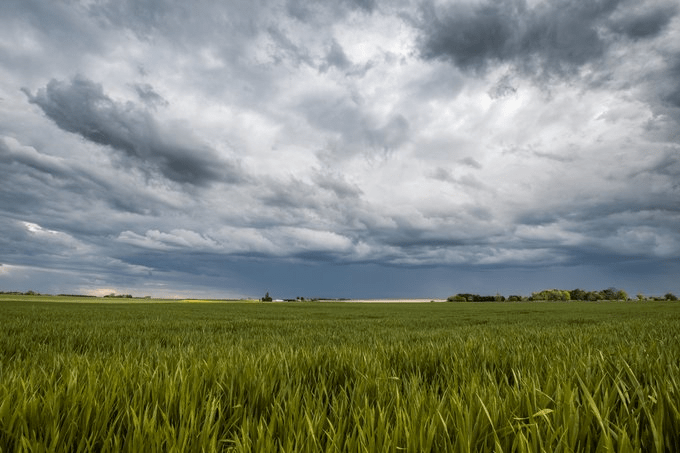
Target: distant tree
478, 298
461, 297
621, 295
593, 296
551, 294
641, 296
578, 294
456, 298
266, 298
514, 298
670, 296
609, 293
612, 293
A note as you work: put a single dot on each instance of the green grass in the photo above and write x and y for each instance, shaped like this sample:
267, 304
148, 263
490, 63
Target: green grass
460, 377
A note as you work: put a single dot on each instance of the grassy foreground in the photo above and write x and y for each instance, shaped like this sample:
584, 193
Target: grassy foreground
460, 377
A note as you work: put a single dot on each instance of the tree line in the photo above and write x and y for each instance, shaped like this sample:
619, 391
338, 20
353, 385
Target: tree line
559, 295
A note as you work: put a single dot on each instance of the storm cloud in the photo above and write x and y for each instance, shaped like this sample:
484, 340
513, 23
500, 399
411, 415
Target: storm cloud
546, 38
81, 107
348, 149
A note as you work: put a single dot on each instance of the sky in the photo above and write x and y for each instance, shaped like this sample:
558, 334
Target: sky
347, 149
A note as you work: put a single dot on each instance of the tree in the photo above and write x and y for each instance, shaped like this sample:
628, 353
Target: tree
456, 298
612, 293
621, 295
670, 296
593, 296
578, 294
267, 298
609, 293
551, 294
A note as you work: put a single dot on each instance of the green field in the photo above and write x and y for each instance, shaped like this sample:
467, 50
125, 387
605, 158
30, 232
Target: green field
92, 375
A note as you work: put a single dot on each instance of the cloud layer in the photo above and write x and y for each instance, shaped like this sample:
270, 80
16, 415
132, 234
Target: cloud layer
363, 148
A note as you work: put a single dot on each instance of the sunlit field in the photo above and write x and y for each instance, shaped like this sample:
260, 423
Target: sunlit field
95, 375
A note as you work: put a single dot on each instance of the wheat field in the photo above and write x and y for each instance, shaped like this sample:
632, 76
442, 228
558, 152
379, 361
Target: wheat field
315, 377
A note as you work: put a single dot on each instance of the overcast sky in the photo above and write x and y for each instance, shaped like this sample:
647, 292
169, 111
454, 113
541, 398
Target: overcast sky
353, 148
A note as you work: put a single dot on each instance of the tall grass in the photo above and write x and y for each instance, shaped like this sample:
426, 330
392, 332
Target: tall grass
339, 377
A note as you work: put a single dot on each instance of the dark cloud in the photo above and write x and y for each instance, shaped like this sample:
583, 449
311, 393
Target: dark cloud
471, 162
335, 58
442, 174
181, 23
670, 93
68, 194
290, 196
149, 96
286, 49
504, 87
667, 164
33, 181
21, 155
366, 5
643, 23
305, 11
662, 94
552, 156
80, 106
673, 97
552, 38
471, 35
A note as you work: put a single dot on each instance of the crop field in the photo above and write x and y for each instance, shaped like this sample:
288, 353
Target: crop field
90, 375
